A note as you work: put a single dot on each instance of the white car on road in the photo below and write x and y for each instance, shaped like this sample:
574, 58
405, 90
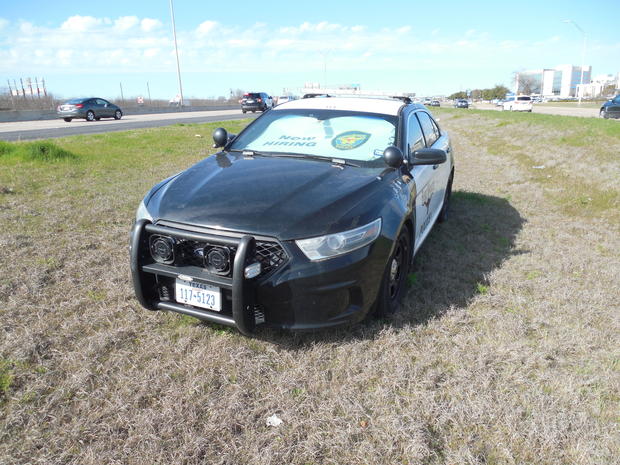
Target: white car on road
518, 103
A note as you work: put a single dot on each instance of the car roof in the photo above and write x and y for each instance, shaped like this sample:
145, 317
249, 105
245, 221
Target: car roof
383, 106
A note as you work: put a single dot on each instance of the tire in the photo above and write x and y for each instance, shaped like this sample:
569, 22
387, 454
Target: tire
118, 114
243, 111
443, 214
90, 116
393, 283
68, 120
603, 114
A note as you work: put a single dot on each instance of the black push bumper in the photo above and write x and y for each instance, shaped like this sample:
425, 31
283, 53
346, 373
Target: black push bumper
300, 295
145, 276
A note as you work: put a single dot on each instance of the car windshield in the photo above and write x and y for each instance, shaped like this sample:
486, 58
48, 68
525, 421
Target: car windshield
525, 99
354, 136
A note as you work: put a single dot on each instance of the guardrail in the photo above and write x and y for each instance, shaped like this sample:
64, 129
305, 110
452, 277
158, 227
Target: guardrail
37, 115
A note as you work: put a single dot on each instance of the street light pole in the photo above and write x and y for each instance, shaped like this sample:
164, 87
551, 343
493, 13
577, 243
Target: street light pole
176, 49
583, 53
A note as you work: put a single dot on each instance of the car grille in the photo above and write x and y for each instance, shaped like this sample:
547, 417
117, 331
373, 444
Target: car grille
270, 254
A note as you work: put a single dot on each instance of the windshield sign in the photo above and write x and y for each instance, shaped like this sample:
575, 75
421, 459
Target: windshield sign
359, 137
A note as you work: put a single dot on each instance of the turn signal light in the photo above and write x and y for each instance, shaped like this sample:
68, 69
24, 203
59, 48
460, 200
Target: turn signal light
252, 271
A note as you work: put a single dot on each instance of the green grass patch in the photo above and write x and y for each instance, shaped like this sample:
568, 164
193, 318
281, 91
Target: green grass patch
39, 151
6, 379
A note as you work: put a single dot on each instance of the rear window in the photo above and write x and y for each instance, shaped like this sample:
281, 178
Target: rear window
252, 95
76, 100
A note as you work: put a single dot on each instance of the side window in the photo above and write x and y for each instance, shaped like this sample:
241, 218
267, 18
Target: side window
101, 101
430, 130
415, 139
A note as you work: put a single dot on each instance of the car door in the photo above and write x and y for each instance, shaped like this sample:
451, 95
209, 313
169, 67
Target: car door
422, 175
439, 173
614, 108
104, 107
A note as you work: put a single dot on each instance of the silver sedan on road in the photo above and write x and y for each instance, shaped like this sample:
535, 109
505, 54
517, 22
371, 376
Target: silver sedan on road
90, 109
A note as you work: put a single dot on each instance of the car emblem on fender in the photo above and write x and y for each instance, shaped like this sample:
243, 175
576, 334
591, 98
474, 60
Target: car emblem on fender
350, 140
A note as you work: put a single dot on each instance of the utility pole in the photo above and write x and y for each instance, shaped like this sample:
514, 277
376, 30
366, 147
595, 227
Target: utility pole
148, 91
583, 53
176, 50
122, 96
11, 94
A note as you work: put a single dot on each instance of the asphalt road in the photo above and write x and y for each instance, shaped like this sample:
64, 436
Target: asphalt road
29, 130
550, 110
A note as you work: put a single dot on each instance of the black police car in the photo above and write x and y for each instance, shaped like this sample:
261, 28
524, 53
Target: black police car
308, 219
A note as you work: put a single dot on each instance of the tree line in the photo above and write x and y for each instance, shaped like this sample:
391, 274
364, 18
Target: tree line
497, 92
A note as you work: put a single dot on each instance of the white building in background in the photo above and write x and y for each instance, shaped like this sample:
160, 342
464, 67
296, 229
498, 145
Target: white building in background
561, 81
602, 85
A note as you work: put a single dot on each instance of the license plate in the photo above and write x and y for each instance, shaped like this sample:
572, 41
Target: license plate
250, 101
198, 294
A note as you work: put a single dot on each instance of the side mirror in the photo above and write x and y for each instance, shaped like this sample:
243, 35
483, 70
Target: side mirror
429, 157
393, 157
221, 137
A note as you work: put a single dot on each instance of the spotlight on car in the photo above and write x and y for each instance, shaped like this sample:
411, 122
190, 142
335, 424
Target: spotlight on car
162, 249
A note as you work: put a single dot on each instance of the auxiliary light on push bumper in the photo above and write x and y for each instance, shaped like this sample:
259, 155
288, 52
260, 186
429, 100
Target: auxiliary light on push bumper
245, 269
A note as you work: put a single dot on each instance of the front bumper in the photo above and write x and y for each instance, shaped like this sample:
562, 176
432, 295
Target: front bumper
299, 295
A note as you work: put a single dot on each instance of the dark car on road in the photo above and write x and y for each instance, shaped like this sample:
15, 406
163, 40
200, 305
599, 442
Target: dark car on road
90, 109
461, 103
611, 108
308, 219
434, 103
256, 101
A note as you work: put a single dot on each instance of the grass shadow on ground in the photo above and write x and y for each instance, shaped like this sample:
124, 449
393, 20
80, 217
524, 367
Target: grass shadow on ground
452, 268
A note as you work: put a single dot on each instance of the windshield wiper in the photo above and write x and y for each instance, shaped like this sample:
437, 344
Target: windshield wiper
336, 161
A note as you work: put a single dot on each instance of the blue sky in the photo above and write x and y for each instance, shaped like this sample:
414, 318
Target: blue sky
431, 48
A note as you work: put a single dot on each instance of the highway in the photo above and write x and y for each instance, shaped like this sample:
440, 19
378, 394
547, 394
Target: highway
46, 129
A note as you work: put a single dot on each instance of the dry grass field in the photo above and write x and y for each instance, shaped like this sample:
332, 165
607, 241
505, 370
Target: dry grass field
507, 350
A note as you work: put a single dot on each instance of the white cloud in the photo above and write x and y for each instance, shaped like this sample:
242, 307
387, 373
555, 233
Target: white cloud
150, 24
206, 27
79, 23
3, 23
125, 23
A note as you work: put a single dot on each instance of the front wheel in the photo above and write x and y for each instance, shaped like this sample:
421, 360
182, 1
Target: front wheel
393, 283
443, 214
118, 114
90, 116
603, 114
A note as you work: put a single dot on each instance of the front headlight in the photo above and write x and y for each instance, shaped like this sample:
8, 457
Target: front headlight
320, 248
142, 213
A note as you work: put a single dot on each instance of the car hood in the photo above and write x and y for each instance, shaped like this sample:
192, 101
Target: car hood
285, 198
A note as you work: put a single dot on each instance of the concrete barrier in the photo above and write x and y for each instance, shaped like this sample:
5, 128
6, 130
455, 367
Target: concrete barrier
38, 115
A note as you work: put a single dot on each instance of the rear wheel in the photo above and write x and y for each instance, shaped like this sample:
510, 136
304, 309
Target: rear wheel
68, 120
90, 116
118, 114
243, 111
393, 284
